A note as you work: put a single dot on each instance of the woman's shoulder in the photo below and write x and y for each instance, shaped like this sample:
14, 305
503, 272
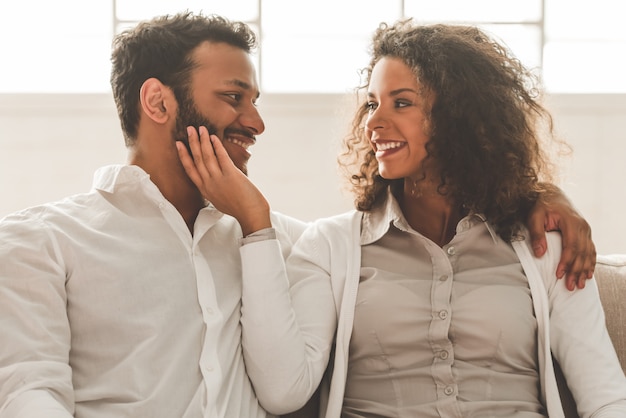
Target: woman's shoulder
555, 246
546, 264
345, 219
332, 230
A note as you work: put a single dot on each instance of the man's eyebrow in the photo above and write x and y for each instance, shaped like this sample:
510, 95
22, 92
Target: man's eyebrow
239, 83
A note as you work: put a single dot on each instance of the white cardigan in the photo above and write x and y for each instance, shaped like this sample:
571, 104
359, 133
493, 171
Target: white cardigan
289, 326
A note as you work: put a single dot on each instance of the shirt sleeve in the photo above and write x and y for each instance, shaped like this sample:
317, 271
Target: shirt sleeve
35, 404
581, 344
35, 376
260, 235
287, 327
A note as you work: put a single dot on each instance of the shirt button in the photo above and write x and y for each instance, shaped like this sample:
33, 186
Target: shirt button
443, 355
443, 278
451, 251
161, 205
443, 314
449, 390
209, 311
209, 368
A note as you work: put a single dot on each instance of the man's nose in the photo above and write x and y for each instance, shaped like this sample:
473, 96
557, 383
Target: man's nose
251, 119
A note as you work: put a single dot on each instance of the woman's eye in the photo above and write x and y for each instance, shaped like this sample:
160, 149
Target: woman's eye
370, 106
402, 103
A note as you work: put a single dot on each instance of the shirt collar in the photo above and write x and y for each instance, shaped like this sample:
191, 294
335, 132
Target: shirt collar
109, 177
477, 218
377, 221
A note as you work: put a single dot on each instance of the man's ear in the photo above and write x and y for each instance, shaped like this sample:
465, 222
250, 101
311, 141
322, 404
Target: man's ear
157, 101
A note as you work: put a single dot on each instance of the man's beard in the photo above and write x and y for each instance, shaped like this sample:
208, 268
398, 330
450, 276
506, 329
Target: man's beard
188, 115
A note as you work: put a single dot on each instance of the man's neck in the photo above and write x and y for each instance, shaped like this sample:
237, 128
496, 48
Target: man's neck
172, 181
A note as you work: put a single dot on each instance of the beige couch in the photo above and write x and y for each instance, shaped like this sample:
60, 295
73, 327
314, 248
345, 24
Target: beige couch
610, 275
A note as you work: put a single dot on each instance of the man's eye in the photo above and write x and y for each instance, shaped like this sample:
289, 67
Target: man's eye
234, 96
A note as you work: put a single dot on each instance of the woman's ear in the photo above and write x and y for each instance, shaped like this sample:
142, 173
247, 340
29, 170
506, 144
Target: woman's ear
157, 101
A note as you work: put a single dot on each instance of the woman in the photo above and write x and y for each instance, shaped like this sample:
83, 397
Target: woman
427, 301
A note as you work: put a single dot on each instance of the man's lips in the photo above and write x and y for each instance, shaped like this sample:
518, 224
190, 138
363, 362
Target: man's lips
243, 141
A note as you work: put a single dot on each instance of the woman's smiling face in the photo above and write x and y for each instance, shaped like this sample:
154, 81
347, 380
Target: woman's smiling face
397, 123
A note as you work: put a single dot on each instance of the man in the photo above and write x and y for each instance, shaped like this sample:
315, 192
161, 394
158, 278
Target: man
125, 301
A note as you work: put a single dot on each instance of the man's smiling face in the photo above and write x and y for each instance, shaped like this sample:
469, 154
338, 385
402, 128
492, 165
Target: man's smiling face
222, 96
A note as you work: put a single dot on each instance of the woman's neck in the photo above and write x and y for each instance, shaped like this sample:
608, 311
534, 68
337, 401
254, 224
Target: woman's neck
430, 212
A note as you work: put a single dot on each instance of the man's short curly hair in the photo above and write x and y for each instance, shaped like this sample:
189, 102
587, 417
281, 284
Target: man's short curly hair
162, 48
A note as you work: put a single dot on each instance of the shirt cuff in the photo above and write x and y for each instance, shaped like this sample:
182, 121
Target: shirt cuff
260, 235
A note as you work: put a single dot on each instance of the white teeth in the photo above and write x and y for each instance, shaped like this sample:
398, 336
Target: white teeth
384, 146
244, 145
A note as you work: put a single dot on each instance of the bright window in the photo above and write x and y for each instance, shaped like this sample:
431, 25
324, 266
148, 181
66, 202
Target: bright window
57, 46
585, 47
133, 10
322, 51
516, 23
312, 47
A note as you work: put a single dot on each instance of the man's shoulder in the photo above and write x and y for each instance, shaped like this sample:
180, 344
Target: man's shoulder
49, 214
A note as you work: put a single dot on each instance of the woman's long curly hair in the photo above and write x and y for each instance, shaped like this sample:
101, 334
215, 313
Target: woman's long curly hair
484, 124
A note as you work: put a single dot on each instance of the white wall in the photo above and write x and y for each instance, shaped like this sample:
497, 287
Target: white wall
595, 174
51, 144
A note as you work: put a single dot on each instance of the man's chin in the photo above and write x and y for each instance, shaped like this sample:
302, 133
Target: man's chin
238, 155
243, 168
242, 165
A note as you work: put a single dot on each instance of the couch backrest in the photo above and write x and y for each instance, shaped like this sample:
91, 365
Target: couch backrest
611, 277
